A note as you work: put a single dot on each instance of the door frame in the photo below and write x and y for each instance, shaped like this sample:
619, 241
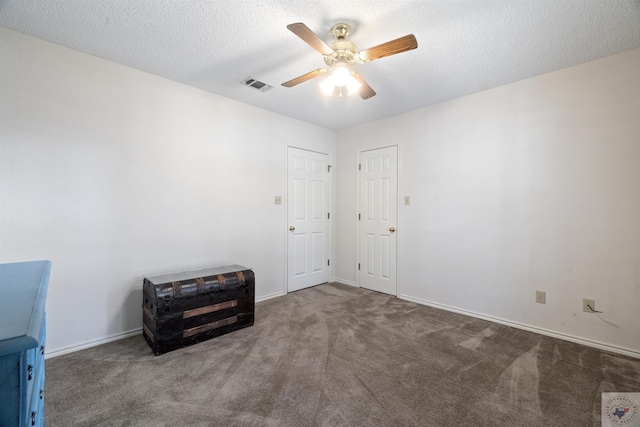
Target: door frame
286, 213
358, 210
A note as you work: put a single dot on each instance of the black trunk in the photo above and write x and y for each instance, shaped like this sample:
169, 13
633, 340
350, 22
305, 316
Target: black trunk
181, 309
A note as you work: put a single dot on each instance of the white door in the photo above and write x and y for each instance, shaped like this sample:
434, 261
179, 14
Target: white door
308, 219
378, 219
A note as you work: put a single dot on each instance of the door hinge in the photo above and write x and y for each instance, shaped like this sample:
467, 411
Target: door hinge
329, 168
359, 166
358, 266
328, 262
358, 217
328, 215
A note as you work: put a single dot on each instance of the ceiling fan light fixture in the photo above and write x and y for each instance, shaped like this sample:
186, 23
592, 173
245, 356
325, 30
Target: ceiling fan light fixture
328, 85
341, 75
353, 85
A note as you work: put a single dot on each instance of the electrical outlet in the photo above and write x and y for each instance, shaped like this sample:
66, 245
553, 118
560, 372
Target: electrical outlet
541, 297
407, 200
586, 302
277, 200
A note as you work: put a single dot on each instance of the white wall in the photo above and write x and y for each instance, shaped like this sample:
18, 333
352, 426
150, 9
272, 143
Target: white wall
114, 174
534, 185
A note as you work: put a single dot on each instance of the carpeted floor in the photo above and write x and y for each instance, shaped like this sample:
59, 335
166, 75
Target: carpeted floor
335, 355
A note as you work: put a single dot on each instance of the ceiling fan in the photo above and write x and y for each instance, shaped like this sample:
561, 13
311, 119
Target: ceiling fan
341, 54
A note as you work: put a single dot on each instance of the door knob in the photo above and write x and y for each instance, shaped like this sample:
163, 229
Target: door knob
291, 228
392, 229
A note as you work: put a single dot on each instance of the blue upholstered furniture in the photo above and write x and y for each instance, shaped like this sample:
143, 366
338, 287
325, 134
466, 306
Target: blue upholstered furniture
23, 293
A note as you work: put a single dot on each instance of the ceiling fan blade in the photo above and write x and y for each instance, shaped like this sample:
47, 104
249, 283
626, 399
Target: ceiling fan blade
312, 39
303, 78
392, 47
365, 90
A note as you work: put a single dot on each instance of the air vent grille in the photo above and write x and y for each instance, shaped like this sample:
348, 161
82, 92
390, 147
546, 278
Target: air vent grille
256, 84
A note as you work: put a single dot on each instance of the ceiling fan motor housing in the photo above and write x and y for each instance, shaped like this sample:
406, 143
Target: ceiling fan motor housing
341, 31
344, 52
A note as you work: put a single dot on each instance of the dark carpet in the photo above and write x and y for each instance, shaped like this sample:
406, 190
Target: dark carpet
334, 355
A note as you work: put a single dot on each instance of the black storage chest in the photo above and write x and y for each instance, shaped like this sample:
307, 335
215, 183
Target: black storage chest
180, 309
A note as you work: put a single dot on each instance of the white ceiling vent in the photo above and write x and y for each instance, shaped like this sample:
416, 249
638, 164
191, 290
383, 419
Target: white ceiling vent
256, 84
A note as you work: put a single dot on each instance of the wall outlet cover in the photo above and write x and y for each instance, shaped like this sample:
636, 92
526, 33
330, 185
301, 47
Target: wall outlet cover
541, 297
586, 302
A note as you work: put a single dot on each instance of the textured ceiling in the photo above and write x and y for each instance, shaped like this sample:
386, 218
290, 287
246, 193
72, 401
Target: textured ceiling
464, 46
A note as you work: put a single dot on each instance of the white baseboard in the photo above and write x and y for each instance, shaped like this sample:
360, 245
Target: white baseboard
120, 336
535, 329
346, 282
541, 331
93, 343
276, 295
